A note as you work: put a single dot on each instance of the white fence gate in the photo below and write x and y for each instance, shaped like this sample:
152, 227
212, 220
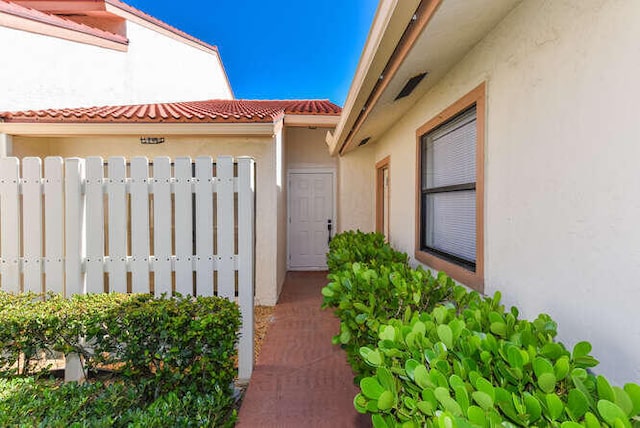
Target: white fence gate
188, 227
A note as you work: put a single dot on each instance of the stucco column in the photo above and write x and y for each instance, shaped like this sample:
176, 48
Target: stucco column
6, 145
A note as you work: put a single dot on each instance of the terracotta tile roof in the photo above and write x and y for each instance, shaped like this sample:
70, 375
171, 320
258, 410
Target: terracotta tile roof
57, 21
159, 23
210, 111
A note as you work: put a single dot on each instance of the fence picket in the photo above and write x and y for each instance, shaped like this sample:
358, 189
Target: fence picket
74, 227
116, 190
10, 224
74, 205
140, 246
225, 226
162, 224
32, 224
204, 226
184, 226
95, 223
246, 239
54, 225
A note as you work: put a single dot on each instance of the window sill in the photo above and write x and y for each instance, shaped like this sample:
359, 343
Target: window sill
474, 280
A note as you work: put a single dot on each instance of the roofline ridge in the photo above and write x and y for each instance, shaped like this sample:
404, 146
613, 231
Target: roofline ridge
156, 21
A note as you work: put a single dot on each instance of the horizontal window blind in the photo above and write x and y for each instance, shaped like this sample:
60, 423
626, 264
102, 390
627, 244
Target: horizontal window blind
452, 223
448, 179
450, 153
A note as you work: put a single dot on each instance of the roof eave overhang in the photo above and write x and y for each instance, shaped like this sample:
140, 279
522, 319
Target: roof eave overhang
388, 25
438, 35
85, 129
101, 39
302, 120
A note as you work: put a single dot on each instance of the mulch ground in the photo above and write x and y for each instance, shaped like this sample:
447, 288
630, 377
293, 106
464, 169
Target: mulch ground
263, 317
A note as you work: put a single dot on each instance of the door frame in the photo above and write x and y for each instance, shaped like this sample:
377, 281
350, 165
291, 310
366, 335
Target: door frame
334, 213
380, 167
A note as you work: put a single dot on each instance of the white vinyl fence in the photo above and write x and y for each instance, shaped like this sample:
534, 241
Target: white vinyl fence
164, 227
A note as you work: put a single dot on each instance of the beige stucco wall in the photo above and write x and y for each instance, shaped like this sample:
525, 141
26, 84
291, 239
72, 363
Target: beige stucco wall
42, 71
270, 265
306, 148
561, 174
356, 190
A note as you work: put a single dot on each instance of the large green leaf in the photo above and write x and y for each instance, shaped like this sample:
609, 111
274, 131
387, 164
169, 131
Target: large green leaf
486, 387
561, 368
421, 376
373, 358
483, 399
552, 350
386, 400
633, 390
547, 382
534, 409
371, 388
477, 416
378, 421
577, 403
581, 349
605, 392
386, 379
388, 333
577, 377
515, 357
611, 411
498, 328
360, 403
462, 397
623, 400
555, 406
591, 420
445, 335
542, 365
409, 366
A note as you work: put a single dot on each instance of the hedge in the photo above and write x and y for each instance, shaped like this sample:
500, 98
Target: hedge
428, 352
168, 350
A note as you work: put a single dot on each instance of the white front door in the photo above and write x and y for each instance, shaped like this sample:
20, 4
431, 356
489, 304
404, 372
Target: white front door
310, 214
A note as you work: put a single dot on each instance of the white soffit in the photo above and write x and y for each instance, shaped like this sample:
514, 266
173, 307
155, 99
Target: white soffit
456, 27
388, 25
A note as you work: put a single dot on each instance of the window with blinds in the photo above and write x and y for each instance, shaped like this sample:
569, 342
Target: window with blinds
448, 190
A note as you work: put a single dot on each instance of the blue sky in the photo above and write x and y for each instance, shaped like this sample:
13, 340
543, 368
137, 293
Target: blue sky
277, 49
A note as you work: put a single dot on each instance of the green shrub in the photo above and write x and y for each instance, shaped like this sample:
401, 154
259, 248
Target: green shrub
25, 402
33, 325
359, 247
364, 297
460, 359
170, 343
174, 360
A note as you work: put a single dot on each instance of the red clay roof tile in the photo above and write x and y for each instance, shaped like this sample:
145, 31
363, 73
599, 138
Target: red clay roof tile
210, 111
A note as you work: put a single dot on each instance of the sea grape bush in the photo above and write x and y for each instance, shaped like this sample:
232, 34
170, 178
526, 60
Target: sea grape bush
456, 358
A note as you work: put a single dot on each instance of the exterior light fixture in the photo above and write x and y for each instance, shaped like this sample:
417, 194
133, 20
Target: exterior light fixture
151, 140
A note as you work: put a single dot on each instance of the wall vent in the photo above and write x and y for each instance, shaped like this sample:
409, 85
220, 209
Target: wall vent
410, 85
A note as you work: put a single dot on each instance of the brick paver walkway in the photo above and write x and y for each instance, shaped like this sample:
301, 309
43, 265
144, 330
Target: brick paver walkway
300, 379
